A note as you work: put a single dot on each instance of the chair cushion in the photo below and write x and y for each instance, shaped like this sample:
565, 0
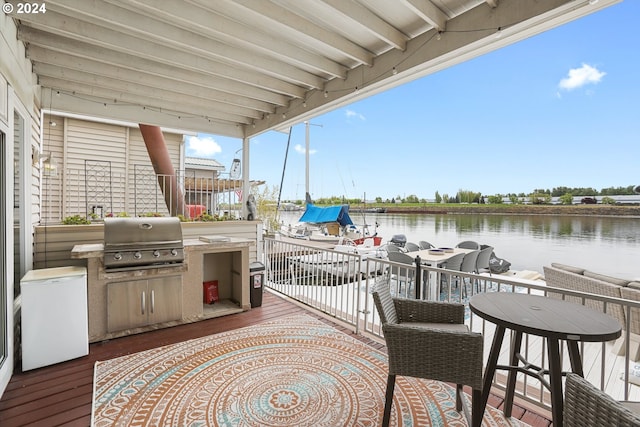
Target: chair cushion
565, 267
452, 327
634, 285
632, 406
608, 279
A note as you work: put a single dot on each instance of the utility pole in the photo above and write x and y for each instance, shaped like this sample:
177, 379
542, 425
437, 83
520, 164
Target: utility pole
306, 156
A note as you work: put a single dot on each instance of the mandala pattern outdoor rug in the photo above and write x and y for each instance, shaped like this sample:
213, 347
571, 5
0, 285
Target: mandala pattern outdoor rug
294, 371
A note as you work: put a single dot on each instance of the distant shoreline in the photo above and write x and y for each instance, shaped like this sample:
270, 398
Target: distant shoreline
591, 210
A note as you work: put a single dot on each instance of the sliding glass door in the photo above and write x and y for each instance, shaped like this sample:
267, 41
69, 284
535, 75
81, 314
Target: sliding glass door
4, 285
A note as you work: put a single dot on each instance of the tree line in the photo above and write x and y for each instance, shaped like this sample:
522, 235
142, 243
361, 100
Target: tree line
537, 196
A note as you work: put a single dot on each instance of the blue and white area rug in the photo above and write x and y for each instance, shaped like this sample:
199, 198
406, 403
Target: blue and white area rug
294, 371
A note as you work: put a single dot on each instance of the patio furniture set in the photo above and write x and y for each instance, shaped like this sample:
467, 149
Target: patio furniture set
467, 257
428, 339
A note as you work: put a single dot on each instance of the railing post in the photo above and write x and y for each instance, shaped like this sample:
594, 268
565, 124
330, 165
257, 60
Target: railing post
418, 279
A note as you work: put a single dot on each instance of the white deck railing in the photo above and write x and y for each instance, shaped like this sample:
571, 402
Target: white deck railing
339, 284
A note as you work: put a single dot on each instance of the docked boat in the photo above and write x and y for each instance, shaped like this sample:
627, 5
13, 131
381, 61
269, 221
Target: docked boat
366, 247
337, 267
332, 221
329, 224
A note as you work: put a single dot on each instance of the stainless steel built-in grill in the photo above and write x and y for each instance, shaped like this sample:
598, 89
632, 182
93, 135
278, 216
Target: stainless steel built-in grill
138, 243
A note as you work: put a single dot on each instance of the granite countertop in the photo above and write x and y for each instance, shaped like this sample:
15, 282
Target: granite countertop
233, 242
96, 250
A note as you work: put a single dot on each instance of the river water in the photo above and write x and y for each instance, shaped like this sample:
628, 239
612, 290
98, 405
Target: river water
607, 245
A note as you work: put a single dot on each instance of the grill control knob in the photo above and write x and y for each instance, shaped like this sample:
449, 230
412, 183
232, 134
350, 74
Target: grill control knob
156, 254
117, 256
174, 252
137, 255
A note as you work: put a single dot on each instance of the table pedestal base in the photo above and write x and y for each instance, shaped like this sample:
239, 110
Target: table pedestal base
554, 384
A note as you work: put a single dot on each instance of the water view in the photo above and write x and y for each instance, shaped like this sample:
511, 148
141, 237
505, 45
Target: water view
607, 245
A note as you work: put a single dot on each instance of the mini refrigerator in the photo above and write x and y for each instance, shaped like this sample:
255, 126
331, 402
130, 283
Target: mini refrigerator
54, 316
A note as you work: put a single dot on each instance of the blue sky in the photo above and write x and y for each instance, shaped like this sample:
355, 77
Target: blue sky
559, 109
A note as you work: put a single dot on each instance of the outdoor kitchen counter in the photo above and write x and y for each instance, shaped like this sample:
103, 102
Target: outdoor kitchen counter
224, 261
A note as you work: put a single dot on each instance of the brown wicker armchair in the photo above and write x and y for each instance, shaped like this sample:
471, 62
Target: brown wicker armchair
585, 405
427, 339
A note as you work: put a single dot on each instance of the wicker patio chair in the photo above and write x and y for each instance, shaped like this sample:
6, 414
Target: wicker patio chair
585, 405
402, 275
482, 263
425, 245
468, 244
454, 263
411, 247
428, 339
468, 266
390, 247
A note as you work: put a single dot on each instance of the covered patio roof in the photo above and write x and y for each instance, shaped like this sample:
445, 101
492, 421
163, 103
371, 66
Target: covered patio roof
240, 68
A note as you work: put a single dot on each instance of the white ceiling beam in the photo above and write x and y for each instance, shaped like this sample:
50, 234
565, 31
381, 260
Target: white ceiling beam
429, 12
105, 37
282, 20
370, 21
183, 107
199, 19
179, 80
132, 113
172, 60
119, 85
171, 94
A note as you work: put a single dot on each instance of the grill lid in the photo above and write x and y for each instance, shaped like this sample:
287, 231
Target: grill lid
137, 232
142, 242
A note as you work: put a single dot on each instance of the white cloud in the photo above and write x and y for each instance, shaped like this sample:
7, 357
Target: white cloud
351, 113
205, 147
582, 76
300, 149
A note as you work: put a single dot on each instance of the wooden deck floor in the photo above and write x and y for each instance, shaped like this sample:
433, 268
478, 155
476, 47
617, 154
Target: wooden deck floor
61, 395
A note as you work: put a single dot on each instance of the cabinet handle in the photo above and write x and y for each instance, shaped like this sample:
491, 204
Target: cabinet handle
153, 301
143, 299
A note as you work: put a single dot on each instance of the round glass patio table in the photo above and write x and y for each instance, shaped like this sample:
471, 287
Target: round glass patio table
550, 318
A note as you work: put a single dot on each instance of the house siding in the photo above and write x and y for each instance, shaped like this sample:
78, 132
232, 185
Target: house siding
36, 182
102, 165
53, 142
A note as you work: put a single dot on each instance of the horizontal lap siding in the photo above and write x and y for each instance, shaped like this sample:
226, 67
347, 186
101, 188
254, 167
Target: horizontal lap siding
53, 142
115, 151
95, 142
35, 176
53, 244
